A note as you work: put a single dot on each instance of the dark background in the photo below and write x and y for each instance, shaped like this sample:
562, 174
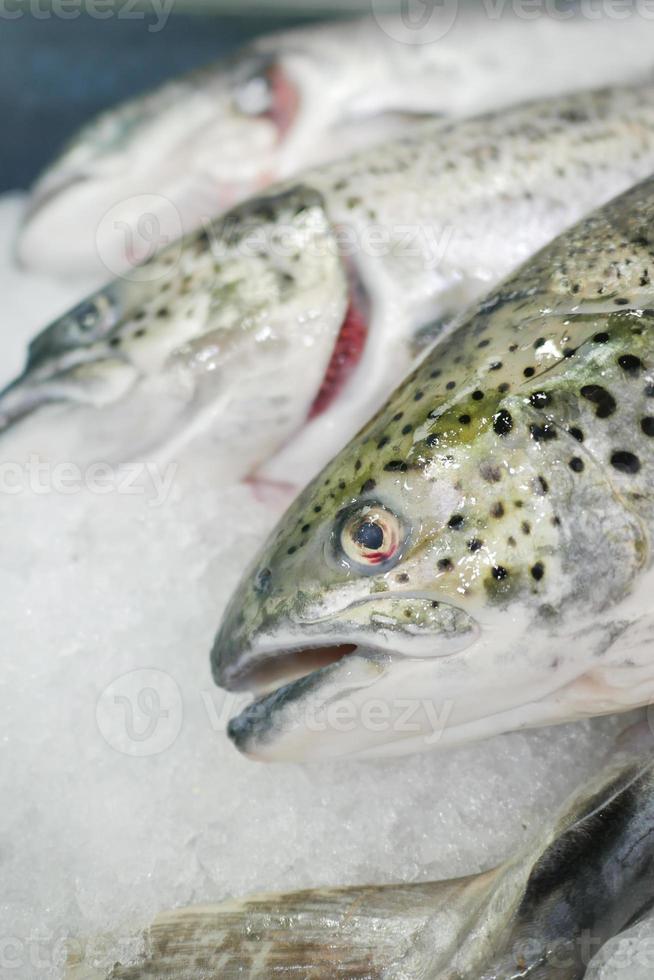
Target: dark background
55, 74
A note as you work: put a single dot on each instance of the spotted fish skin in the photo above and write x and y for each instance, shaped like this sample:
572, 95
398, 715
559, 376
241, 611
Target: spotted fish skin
509, 480
227, 303
200, 144
212, 331
542, 914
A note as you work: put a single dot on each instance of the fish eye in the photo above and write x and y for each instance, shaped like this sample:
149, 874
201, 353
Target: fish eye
371, 537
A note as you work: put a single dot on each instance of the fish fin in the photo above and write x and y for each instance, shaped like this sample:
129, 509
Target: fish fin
357, 933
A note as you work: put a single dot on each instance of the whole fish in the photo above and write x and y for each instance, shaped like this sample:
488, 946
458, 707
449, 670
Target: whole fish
541, 915
277, 331
478, 558
155, 167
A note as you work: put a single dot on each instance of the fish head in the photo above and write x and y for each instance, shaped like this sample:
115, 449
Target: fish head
158, 166
435, 583
241, 320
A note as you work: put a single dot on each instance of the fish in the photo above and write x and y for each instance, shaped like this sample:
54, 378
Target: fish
477, 559
269, 337
154, 168
580, 880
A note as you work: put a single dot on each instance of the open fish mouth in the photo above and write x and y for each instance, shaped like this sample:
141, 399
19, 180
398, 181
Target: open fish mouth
293, 691
314, 691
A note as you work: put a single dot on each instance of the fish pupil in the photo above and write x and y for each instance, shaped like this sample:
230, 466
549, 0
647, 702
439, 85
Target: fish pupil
369, 535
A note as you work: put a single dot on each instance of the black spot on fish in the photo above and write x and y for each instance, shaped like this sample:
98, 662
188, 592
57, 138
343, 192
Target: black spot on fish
542, 433
539, 399
368, 486
464, 419
601, 338
604, 400
576, 464
474, 545
477, 395
490, 472
576, 433
630, 364
455, 521
497, 510
445, 564
647, 425
383, 442
502, 422
406, 429
529, 372
499, 573
625, 462
538, 570
396, 466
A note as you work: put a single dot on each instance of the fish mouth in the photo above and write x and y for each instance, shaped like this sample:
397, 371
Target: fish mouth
292, 689
297, 677
282, 668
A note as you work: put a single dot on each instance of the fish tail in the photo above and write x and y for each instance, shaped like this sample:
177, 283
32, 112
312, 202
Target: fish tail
356, 933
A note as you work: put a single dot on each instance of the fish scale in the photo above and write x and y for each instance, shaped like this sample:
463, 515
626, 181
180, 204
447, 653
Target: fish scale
509, 479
